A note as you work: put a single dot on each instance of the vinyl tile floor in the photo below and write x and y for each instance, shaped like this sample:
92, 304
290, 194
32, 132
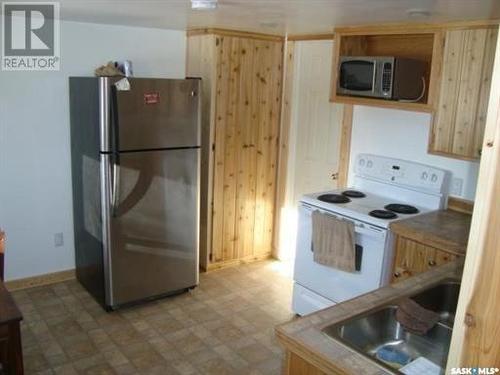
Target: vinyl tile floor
224, 326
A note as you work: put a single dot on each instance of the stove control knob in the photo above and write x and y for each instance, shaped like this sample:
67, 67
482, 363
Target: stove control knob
434, 177
425, 176
362, 162
369, 164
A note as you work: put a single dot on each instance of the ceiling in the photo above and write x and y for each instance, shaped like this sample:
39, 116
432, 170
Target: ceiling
273, 16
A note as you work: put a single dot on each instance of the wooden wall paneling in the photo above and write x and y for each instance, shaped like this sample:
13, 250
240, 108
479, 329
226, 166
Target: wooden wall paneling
469, 90
450, 83
247, 132
231, 147
484, 94
436, 69
475, 333
246, 104
262, 84
201, 62
275, 97
284, 137
223, 56
264, 80
345, 145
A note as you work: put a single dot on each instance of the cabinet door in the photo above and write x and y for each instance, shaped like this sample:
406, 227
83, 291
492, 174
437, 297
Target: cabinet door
410, 259
413, 258
248, 102
459, 121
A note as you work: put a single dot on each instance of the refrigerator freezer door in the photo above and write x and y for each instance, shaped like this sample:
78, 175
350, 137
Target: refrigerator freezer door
157, 114
154, 205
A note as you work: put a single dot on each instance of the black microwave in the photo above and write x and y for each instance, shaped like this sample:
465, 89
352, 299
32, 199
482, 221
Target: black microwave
382, 77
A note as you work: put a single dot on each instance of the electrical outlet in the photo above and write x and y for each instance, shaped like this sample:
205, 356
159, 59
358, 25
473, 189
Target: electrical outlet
456, 186
58, 239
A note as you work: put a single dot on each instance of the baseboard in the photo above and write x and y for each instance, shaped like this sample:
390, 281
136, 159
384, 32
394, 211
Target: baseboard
57, 277
40, 280
238, 262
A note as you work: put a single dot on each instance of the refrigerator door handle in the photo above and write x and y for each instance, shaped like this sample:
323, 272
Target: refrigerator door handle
115, 187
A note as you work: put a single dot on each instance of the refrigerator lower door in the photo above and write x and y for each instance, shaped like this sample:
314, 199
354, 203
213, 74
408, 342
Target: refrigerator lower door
153, 224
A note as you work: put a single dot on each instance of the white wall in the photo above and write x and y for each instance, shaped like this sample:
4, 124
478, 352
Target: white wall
35, 169
405, 135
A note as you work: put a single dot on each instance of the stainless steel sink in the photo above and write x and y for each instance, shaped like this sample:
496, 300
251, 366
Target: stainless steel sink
368, 332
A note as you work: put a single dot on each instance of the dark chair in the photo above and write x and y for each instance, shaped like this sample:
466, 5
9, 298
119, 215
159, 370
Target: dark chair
2, 252
11, 349
3, 332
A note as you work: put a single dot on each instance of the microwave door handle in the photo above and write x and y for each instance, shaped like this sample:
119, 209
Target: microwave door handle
374, 78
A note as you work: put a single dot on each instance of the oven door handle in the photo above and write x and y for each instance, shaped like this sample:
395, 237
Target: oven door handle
359, 228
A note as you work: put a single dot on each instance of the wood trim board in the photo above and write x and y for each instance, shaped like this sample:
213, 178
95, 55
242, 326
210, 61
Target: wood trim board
201, 60
410, 28
284, 138
460, 205
236, 33
237, 262
302, 37
345, 145
40, 280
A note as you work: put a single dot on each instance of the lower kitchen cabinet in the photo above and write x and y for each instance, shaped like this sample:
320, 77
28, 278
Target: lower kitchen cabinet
295, 365
414, 257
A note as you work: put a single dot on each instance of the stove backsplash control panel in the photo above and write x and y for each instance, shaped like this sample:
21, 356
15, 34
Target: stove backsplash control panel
401, 172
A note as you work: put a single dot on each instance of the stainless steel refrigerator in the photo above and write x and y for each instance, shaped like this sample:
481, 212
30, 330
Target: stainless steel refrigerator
135, 172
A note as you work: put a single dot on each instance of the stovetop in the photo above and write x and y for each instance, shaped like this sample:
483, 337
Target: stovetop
364, 208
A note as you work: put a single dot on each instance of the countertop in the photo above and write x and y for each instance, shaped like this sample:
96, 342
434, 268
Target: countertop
445, 230
304, 336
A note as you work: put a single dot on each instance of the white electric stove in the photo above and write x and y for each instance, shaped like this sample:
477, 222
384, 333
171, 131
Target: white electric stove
384, 190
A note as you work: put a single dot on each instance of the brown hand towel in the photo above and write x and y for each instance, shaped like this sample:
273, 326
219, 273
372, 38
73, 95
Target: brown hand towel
415, 318
333, 242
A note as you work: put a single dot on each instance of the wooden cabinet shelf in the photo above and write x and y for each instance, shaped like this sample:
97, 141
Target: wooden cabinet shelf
384, 103
419, 45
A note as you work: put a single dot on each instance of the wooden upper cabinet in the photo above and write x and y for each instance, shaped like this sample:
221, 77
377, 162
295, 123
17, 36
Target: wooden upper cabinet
459, 120
404, 42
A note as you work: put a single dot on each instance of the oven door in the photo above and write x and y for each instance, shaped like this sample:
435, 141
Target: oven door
332, 283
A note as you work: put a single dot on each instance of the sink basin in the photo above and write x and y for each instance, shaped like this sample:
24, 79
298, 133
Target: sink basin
368, 332
442, 298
